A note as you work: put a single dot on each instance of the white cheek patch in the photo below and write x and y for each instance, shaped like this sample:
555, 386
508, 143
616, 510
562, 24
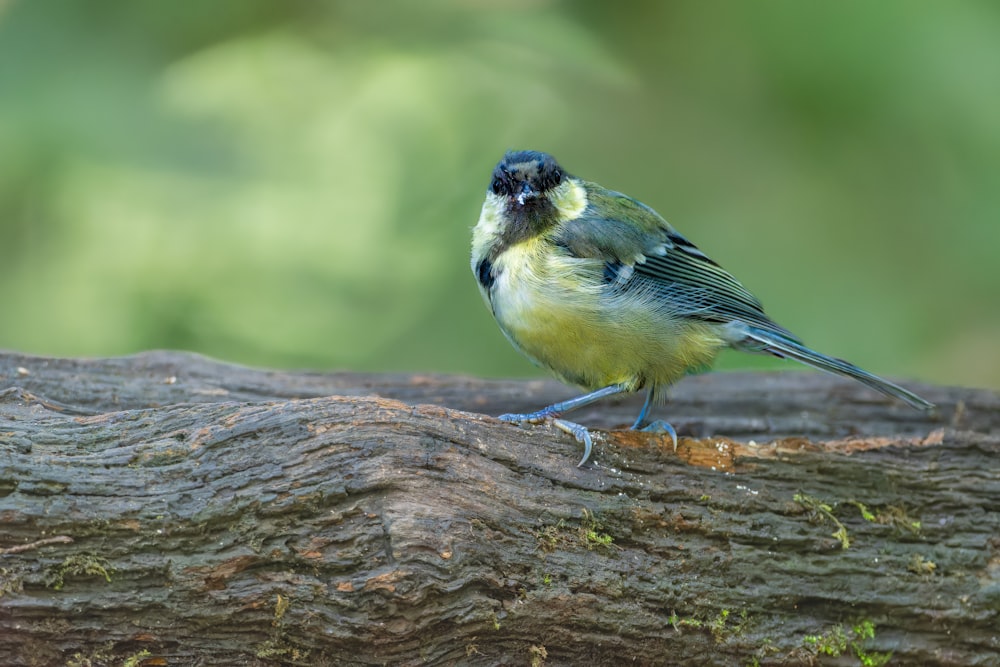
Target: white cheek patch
570, 199
489, 226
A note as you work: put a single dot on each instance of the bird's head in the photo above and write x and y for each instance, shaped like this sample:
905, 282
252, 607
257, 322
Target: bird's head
526, 178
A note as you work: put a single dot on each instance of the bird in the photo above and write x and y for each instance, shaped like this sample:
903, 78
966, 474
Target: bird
597, 288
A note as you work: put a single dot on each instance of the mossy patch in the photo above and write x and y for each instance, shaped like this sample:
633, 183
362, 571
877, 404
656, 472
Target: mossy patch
589, 533
898, 518
820, 512
722, 625
836, 641
11, 581
277, 647
78, 565
538, 655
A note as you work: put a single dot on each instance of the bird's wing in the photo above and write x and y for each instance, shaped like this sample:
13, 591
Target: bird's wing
647, 254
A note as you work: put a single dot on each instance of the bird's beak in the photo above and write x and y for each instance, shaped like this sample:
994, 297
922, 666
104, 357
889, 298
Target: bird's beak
526, 192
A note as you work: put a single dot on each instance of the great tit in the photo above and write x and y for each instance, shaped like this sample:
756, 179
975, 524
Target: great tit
599, 289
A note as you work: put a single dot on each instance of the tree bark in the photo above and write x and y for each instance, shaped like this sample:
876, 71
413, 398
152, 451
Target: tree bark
165, 508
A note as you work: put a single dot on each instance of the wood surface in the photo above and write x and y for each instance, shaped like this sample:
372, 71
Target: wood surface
167, 509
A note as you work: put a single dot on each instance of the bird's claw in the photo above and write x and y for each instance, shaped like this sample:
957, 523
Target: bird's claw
660, 426
579, 432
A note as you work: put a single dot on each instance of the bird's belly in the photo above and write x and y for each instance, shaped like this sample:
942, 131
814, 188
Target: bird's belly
591, 338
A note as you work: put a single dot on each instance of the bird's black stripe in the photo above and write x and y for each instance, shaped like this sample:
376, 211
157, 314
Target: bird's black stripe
690, 248
484, 273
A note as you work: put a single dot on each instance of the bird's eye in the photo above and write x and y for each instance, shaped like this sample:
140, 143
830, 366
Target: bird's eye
497, 186
557, 177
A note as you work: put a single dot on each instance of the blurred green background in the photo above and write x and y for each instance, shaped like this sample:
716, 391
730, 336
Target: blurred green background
292, 184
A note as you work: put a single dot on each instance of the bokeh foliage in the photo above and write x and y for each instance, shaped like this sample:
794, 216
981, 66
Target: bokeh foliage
293, 183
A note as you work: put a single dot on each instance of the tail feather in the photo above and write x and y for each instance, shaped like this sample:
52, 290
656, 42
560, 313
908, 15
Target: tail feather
761, 340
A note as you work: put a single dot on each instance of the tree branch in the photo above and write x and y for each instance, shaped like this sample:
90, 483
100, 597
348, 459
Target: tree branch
168, 509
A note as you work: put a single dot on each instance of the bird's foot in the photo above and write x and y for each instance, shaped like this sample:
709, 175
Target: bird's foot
581, 434
660, 426
528, 417
578, 431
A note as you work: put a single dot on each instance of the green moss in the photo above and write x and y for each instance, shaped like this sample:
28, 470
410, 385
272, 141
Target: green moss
898, 518
920, 565
538, 655
590, 532
832, 642
280, 607
551, 537
10, 581
106, 656
277, 647
836, 641
722, 625
865, 630
763, 651
822, 511
865, 514
101, 656
594, 538
872, 659
78, 565
718, 625
135, 660
678, 622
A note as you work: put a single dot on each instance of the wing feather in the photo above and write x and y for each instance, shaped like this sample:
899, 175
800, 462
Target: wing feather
646, 254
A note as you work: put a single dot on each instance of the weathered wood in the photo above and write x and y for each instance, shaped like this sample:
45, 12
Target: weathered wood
169, 509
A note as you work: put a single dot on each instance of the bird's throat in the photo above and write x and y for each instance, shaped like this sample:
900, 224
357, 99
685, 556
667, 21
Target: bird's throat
524, 222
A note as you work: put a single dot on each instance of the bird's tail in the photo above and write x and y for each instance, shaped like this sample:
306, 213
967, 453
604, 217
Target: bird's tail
762, 340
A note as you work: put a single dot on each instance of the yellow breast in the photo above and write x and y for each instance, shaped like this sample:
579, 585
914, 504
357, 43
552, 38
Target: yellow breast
560, 313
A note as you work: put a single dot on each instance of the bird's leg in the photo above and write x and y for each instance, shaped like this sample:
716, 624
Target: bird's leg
557, 409
659, 426
642, 413
576, 430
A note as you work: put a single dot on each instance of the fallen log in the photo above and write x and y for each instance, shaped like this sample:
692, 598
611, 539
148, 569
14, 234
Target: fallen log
167, 509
